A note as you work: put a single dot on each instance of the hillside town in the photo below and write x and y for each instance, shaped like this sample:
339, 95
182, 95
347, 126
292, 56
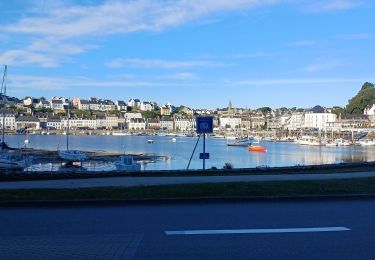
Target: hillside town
135, 115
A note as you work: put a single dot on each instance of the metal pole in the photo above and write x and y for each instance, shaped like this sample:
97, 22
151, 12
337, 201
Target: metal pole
191, 157
204, 153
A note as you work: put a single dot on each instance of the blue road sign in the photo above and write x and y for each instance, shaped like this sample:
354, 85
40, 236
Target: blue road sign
204, 156
205, 125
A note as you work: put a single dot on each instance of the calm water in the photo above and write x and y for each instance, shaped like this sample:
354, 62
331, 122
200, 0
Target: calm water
278, 154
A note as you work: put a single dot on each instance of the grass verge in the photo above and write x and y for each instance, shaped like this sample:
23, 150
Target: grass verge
227, 190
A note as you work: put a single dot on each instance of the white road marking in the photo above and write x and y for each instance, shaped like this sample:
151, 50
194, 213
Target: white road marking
256, 231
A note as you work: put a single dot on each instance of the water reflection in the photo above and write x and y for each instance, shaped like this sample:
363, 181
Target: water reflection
179, 152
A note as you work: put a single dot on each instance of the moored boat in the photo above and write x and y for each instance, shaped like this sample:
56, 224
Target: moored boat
257, 148
126, 163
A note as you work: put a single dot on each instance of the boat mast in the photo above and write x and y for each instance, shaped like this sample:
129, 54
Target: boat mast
3, 96
67, 131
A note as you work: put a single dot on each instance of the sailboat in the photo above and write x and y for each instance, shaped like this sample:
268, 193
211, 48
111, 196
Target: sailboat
10, 158
68, 154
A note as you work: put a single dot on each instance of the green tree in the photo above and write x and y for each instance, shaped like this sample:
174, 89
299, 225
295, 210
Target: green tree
264, 110
150, 114
364, 98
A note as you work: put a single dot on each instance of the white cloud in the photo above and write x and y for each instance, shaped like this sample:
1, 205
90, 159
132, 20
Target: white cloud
323, 66
123, 17
56, 27
332, 5
21, 57
356, 36
305, 43
28, 82
60, 28
256, 54
164, 64
180, 76
295, 81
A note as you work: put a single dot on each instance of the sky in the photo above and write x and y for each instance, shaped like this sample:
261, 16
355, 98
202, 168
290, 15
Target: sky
197, 53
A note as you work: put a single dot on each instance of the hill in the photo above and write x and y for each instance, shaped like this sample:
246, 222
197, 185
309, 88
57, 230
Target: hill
364, 98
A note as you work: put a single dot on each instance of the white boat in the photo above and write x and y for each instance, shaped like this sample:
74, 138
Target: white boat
150, 141
13, 160
311, 141
9, 158
68, 154
120, 134
367, 142
126, 163
174, 140
72, 155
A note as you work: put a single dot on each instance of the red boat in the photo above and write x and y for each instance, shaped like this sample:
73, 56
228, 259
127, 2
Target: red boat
257, 148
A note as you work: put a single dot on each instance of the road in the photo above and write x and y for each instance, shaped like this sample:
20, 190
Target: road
337, 229
134, 181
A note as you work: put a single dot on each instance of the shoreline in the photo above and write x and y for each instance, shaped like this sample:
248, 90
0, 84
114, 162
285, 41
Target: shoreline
48, 156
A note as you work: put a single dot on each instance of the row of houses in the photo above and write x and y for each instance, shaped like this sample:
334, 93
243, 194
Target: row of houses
131, 121
135, 121
296, 121
91, 104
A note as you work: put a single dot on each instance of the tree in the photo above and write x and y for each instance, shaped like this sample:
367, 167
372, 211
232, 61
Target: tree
264, 110
364, 98
338, 110
150, 114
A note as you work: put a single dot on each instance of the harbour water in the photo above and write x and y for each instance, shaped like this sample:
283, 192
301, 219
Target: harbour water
179, 151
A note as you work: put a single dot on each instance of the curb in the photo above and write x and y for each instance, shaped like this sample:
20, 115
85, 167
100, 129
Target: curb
198, 200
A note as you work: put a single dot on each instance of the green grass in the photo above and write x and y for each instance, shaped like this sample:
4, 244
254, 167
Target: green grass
285, 188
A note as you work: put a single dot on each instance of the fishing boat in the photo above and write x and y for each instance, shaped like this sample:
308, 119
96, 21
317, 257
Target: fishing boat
68, 154
126, 163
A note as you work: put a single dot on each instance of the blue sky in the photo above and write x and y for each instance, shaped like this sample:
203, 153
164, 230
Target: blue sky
197, 53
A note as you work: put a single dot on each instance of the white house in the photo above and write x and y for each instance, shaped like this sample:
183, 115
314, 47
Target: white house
53, 123
232, 122
319, 120
29, 122
184, 124
370, 111
166, 123
9, 118
295, 122
112, 122
57, 105
137, 124
121, 105
147, 106
129, 116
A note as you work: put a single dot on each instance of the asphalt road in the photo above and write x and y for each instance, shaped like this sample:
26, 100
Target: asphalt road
153, 181
256, 230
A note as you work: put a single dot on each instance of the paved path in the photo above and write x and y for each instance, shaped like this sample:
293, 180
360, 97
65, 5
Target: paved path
270, 230
154, 181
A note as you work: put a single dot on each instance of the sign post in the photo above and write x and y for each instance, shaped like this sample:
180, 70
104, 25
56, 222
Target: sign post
204, 126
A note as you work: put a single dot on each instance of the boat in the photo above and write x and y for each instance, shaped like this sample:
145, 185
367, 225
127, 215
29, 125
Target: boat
257, 148
311, 141
174, 140
120, 134
231, 137
10, 158
367, 142
68, 154
126, 163
239, 143
150, 141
